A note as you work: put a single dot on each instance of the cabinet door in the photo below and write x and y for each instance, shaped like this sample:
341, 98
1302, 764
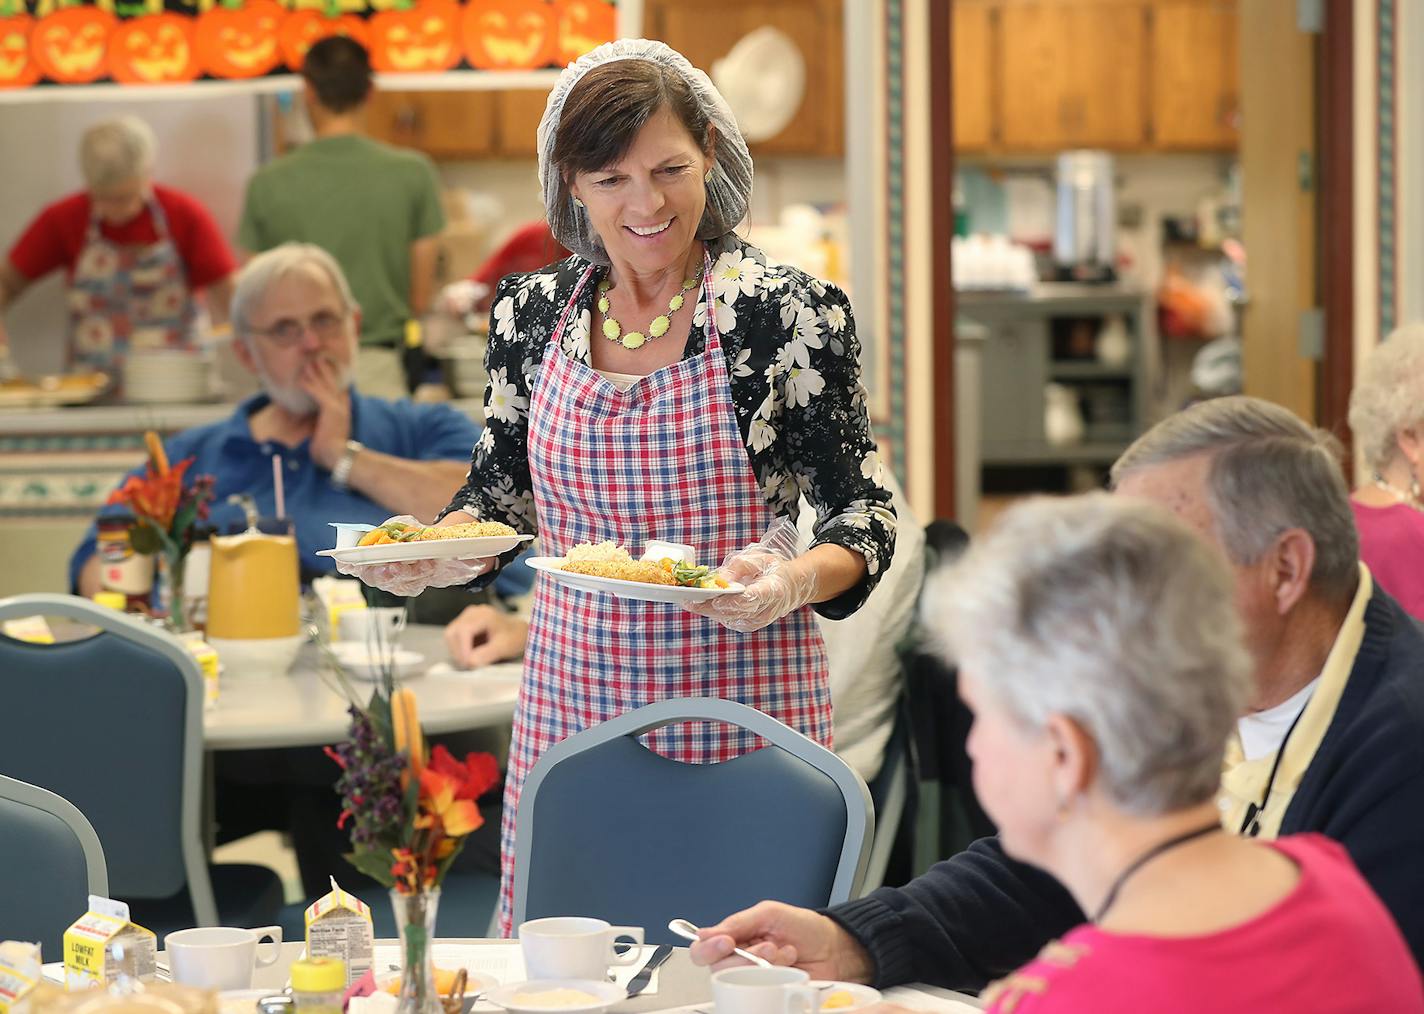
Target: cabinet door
518, 113
1195, 74
972, 66
444, 124
705, 30
1073, 73
1014, 371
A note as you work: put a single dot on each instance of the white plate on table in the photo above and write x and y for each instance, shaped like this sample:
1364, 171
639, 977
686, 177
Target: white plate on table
475, 982
360, 661
861, 996
522, 996
637, 590
433, 549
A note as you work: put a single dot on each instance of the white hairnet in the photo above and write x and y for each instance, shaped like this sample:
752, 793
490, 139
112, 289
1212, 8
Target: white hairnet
729, 191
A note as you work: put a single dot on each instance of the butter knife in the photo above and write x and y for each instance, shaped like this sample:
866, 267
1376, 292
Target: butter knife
640, 981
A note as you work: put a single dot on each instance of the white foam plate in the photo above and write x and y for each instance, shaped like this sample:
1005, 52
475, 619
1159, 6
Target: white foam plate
606, 994
435, 549
861, 996
636, 590
360, 661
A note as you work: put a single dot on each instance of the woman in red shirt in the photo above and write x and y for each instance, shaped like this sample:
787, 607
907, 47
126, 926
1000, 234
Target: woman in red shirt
133, 252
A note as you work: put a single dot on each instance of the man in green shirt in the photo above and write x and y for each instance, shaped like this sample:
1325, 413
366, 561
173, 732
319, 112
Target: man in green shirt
375, 208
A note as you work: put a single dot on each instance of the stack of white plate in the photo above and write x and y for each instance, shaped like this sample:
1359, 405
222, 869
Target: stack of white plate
167, 375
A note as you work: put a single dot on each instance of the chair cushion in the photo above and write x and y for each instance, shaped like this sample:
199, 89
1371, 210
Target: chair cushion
247, 895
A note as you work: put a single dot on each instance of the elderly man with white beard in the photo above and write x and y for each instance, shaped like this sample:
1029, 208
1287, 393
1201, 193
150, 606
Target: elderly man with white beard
345, 456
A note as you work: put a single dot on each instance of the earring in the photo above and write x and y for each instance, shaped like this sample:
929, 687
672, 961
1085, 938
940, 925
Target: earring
578, 203
708, 177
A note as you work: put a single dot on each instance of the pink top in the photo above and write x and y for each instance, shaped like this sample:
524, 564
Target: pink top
1329, 947
1392, 546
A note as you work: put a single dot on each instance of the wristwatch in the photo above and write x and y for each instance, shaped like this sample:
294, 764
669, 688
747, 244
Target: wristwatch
341, 474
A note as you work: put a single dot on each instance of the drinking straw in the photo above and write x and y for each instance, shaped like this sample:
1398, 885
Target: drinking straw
277, 485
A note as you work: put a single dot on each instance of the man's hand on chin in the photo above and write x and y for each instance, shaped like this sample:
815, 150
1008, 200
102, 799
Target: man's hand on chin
321, 379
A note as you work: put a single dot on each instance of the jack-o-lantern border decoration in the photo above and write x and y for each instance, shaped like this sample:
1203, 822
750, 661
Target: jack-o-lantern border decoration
234, 40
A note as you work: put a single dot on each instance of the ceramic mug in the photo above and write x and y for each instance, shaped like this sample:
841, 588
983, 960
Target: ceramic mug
220, 957
378, 626
756, 990
568, 947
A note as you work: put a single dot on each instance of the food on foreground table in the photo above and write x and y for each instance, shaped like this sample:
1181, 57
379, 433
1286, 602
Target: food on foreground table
606, 559
553, 999
444, 981
399, 531
839, 999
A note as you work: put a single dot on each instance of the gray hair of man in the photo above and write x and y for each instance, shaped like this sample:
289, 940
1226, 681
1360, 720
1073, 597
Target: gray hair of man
269, 267
1269, 473
1113, 613
116, 151
1388, 395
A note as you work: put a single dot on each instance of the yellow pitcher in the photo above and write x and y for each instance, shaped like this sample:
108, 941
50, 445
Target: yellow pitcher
254, 610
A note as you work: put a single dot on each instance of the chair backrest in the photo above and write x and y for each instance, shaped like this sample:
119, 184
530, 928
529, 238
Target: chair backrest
607, 828
113, 723
50, 861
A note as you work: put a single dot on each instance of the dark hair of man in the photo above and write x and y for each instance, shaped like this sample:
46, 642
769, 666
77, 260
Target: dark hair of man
339, 71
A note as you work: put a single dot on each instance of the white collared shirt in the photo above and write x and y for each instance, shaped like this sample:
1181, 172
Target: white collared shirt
1263, 732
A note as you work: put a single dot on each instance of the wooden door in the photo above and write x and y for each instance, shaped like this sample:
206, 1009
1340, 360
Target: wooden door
1196, 74
443, 124
705, 30
518, 113
972, 67
1073, 74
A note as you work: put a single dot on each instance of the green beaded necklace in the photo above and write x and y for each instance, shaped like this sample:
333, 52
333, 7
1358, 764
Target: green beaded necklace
613, 331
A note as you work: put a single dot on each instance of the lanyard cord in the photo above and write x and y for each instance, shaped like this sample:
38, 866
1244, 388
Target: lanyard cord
1148, 856
1251, 825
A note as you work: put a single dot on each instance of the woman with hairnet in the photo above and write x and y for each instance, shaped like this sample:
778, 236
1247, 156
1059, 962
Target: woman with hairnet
666, 382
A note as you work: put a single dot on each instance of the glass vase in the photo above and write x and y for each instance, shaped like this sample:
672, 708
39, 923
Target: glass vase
170, 591
415, 920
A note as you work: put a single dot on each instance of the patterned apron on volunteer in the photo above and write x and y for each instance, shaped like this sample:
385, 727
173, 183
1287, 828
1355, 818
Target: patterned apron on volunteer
124, 297
663, 460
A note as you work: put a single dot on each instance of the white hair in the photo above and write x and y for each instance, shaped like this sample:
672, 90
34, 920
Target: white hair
270, 267
1111, 612
116, 151
1388, 395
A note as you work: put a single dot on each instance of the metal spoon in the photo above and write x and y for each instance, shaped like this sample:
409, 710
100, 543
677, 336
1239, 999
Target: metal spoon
687, 931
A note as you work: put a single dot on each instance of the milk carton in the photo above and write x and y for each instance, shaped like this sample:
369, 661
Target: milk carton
86, 945
19, 974
339, 926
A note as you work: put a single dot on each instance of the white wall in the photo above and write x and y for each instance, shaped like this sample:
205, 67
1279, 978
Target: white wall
206, 146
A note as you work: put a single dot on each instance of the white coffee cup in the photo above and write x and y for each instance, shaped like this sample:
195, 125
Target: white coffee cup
569, 947
220, 957
377, 625
755, 990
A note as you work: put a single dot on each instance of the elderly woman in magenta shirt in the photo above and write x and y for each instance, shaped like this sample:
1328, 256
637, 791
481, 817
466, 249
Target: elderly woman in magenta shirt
666, 382
1387, 417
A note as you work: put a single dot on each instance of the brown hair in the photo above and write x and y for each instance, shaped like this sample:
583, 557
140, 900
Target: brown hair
610, 104
339, 71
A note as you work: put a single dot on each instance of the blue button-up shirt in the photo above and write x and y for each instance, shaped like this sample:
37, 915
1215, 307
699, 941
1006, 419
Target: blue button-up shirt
239, 464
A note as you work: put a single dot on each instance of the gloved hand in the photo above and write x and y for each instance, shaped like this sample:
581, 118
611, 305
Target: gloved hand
411, 577
776, 581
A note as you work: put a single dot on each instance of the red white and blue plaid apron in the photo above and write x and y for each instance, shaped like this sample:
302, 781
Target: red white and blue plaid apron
662, 460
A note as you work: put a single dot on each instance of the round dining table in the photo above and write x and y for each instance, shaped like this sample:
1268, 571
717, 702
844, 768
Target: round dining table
304, 707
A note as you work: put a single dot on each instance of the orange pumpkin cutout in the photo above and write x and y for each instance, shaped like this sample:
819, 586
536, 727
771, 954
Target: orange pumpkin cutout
508, 34
154, 49
239, 42
583, 25
420, 39
17, 68
71, 45
303, 29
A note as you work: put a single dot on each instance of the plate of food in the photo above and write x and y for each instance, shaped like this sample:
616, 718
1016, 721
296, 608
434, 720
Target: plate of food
52, 390
569, 996
843, 997
666, 572
445, 979
396, 541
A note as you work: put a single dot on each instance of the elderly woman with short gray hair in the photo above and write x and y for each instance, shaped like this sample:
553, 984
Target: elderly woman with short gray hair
1100, 650
1387, 417
133, 251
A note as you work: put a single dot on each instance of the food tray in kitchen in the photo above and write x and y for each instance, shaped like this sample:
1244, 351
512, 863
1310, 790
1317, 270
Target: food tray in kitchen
667, 572
54, 390
397, 542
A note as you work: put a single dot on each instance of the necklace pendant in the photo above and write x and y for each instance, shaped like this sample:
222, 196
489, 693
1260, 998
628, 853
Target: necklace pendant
633, 339
659, 326
612, 329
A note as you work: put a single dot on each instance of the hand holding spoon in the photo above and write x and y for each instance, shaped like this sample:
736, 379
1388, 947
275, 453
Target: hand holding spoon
687, 931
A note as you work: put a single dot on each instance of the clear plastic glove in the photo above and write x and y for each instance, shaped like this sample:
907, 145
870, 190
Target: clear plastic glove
776, 582
411, 577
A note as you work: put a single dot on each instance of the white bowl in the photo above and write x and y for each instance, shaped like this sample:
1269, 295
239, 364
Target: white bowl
256, 657
362, 663
522, 997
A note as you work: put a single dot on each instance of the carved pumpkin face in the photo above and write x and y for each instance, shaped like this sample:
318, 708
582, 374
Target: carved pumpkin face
303, 29
17, 69
419, 39
155, 49
583, 25
508, 34
239, 42
70, 44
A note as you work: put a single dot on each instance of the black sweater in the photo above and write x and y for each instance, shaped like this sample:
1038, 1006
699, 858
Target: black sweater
980, 915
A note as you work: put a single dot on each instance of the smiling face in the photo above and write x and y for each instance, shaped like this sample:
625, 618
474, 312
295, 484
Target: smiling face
646, 207
305, 297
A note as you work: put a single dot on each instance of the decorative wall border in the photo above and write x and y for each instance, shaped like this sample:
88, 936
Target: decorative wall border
1386, 153
894, 427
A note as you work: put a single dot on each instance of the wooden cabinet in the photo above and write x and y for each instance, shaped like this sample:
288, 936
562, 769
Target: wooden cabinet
705, 30
972, 66
517, 115
1073, 74
1195, 74
445, 124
